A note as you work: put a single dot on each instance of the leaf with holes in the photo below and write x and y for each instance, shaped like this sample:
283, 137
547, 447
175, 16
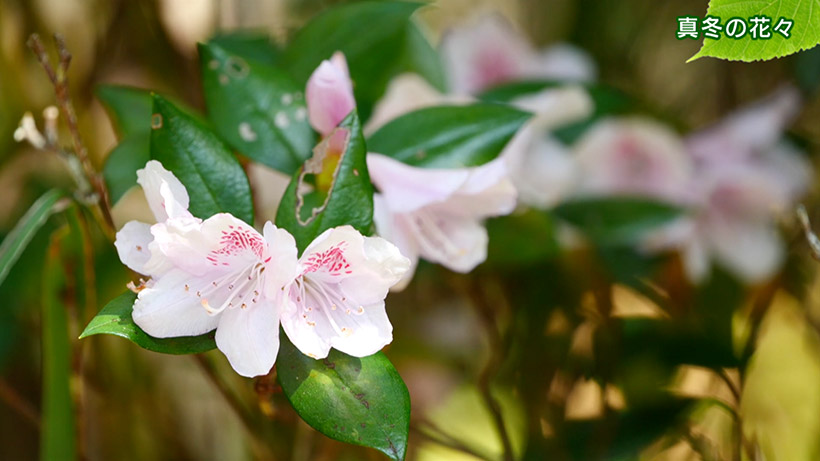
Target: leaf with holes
449, 136
372, 35
802, 34
349, 193
362, 401
115, 319
256, 108
206, 167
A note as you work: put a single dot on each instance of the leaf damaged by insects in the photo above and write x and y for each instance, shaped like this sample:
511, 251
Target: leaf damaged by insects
342, 177
324, 166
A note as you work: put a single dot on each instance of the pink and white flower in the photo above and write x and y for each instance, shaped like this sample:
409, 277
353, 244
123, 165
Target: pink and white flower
746, 176
490, 52
438, 214
329, 94
633, 157
338, 298
219, 273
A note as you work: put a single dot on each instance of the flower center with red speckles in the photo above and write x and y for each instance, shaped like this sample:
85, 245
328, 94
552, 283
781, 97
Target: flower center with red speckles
237, 241
332, 261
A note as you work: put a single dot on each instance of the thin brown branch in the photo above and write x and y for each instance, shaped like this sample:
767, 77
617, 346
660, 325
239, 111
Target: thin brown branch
19, 404
436, 436
486, 314
59, 80
247, 419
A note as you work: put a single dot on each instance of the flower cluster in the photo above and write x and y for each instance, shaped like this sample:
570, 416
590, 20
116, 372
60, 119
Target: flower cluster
733, 179
221, 273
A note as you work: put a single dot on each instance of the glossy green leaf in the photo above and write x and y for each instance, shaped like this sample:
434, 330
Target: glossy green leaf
129, 108
115, 319
349, 200
130, 111
371, 35
256, 108
58, 432
362, 401
423, 59
804, 33
256, 46
215, 181
616, 220
16, 241
120, 170
449, 136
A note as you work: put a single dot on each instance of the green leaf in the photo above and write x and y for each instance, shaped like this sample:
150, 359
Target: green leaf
129, 108
521, 239
215, 181
120, 170
115, 319
130, 112
371, 35
58, 433
362, 401
349, 200
804, 34
256, 108
449, 136
423, 59
252, 45
25, 229
616, 220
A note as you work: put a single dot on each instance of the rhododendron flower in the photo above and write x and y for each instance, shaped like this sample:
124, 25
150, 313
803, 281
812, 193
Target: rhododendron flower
219, 273
491, 52
437, 214
745, 176
329, 94
634, 157
338, 298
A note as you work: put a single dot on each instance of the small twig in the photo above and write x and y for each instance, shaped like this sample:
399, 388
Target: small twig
811, 237
487, 316
732, 387
19, 404
59, 79
444, 439
236, 405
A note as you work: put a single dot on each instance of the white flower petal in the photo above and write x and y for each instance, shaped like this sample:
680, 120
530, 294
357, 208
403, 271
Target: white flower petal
170, 307
634, 156
485, 54
392, 230
249, 338
748, 130
563, 62
554, 107
753, 251
283, 266
458, 243
407, 188
486, 192
219, 244
165, 194
132, 245
548, 174
365, 267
